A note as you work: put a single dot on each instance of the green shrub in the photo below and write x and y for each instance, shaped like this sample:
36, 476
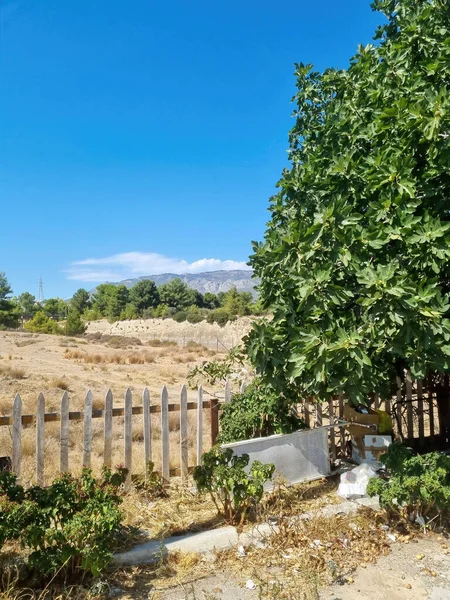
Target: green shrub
153, 485
257, 412
220, 316
69, 527
194, 316
74, 323
418, 485
129, 312
180, 316
162, 311
233, 490
41, 323
213, 371
92, 314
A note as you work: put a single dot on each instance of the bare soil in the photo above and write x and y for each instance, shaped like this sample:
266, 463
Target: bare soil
35, 363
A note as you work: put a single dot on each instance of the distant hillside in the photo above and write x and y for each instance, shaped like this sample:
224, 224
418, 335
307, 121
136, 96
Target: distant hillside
214, 281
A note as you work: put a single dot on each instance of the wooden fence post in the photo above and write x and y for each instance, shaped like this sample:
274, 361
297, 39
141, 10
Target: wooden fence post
64, 435
409, 408
184, 457
227, 392
214, 412
107, 430
342, 429
87, 431
147, 430
431, 407
17, 436
165, 457
128, 436
420, 413
200, 425
332, 432
307, 410
243, 387
319, 419
40, 440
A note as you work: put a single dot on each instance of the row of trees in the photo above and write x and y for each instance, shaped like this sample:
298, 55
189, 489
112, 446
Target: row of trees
173, 299
114, 302
41, 318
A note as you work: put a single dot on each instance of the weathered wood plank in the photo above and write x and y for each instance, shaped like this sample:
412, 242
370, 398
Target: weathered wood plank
184, 457
431, 408
200, 426
128, 437
227, 391
64, 435
332, 430
342, 429
214, 415
40, 440
420, 413
165, 449
376, 402
108, 429
53, 417
319, 416
87, 430
17, 436
399, 398
307, 408
147, 430
409, 406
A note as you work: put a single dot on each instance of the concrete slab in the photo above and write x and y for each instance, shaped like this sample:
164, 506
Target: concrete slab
153, 551
224, 538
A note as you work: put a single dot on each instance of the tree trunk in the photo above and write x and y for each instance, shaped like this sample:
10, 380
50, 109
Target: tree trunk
443, 403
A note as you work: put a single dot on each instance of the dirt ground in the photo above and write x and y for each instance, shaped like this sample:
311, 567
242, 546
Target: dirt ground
35, 363
400, 575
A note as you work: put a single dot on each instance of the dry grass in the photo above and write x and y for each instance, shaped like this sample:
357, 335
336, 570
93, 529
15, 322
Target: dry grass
134, 358
23, 343
162, 343
59, 383
11, 589
183, 358
12, 372
307, 554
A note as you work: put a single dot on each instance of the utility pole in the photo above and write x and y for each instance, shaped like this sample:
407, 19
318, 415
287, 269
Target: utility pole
41, 291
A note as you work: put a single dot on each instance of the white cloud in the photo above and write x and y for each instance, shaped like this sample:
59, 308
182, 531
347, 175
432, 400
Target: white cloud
136, 264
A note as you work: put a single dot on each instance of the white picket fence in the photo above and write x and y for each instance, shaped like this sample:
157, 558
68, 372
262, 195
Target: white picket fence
17, 421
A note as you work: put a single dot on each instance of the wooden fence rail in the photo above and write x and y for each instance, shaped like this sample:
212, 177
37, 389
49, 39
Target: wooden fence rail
413, 409
18, 421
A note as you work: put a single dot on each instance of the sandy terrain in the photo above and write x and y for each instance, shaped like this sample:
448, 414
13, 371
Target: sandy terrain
34, 363
212, 336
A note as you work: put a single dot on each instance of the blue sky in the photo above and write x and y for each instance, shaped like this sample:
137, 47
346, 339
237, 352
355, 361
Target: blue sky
144, 137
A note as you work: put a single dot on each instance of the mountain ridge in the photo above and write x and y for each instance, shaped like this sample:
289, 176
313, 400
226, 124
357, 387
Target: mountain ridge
210, 281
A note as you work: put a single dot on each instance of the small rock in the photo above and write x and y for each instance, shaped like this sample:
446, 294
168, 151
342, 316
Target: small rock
209, 557
408, 586
351, 580
420, 556
250, 584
